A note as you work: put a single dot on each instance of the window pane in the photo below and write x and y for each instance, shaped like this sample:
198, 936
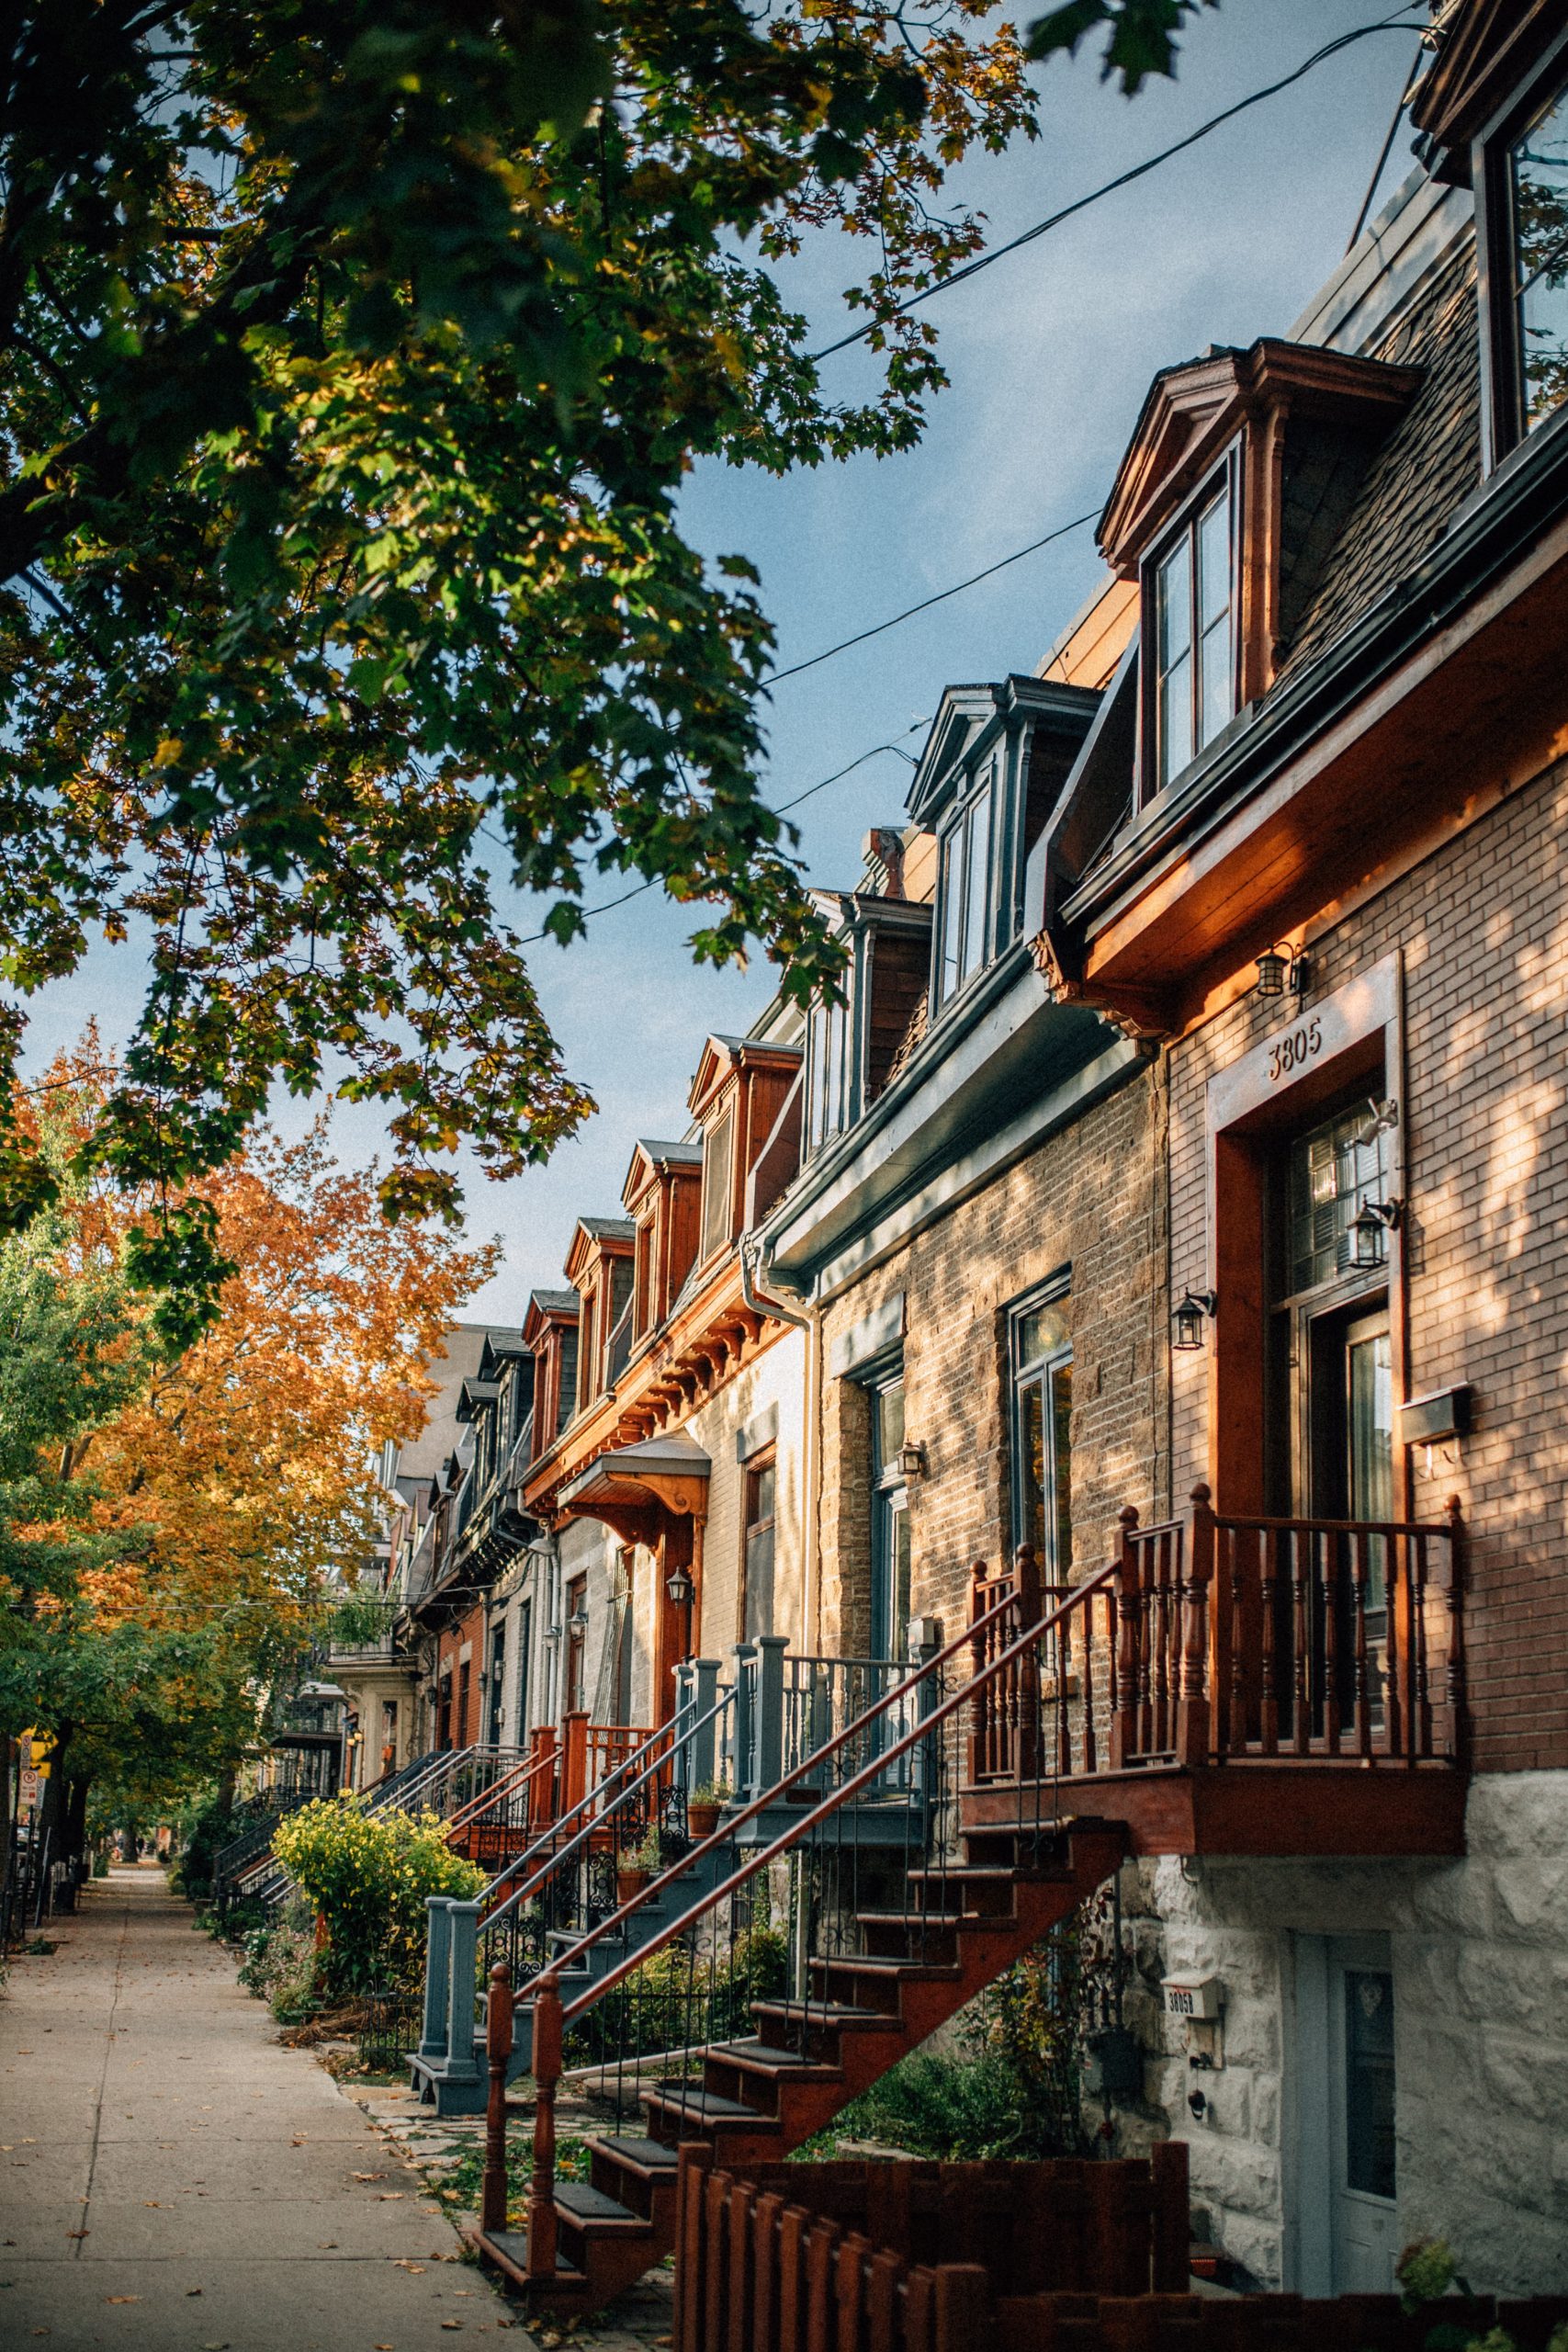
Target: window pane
1176, 721
889, 1411
977, 892
1040, 1333
1061, 1379
1369, 2082
951, 914
761, 1496
1174, 589
1031, 1467
760, 1579
1214, 563
1334, 1169
1372, 1428
718, 1167
1540, 230
1217, 695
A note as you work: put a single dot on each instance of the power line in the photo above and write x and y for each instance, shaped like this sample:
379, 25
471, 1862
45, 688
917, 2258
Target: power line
590, 913
941, 597
1123, 179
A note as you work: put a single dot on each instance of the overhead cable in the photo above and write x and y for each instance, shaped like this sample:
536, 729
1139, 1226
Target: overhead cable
1123, 179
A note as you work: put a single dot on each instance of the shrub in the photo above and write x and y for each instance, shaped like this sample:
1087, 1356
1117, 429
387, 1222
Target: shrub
366, 1877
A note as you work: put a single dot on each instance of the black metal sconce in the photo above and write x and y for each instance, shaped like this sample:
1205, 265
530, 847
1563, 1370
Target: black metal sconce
1272, 969
1188, 1318
912, 1459
578, 1621
680, 1588
1279, 968
1364, 1247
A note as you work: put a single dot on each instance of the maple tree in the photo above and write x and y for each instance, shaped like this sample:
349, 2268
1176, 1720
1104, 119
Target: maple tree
173, 1521
353, 354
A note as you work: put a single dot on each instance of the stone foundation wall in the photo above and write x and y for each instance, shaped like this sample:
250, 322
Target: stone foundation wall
1480, 1959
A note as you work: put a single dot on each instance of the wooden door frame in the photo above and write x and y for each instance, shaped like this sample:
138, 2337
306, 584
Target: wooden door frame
1319, 1050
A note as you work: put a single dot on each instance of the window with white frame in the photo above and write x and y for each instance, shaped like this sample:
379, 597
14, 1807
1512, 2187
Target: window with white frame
963, 892
1192, 644
827, 1075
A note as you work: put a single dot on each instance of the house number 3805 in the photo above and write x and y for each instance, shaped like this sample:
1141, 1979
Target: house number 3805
1295, 1048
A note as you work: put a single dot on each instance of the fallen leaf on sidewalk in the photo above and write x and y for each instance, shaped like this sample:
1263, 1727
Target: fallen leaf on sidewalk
390, 2196
78, 2234
404, 2264
193, 2290
122, 2299
369, 2175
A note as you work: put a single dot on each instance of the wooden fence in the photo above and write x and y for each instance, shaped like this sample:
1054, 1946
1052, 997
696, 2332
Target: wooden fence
854, 2256
1059, 2256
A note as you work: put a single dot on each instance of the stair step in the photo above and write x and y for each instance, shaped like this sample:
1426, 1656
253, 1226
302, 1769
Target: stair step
510, 2249
843, 2015
871, 1963
696, 2105
591, 2208
756, 2057
946, 1922
639, 2155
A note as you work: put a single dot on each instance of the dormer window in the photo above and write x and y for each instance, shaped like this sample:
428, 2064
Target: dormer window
1537, 263
964, 891
828, 1075
1492, 112
718, 1184
1191, 588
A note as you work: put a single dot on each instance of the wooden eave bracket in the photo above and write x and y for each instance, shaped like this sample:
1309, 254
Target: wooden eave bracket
1137, 1017
1192, 414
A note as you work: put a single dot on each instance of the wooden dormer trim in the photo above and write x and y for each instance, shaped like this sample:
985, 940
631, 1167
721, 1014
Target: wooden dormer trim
598, 1246
662, 1196
551, 1319
749, 1079
1235, 410
1486, 49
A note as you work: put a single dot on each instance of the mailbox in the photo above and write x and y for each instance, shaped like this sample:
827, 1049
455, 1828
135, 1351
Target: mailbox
1200, 1999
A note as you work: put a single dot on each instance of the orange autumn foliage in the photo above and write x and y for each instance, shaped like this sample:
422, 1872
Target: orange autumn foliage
249, 1460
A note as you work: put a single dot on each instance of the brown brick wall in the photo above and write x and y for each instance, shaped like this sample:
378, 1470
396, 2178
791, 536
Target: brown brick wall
1086, 1199
1482, 926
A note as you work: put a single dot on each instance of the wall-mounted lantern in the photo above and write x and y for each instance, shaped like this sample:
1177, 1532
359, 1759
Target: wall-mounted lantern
578, 1621
1272, 969
678, 1586
1188, 1319
1364, 1247
1281, 968
912, 1459
552, 1634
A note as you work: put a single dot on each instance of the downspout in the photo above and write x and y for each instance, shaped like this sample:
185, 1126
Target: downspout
753, 1255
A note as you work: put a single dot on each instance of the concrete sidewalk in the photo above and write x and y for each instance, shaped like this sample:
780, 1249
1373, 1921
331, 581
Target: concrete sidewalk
172, 2180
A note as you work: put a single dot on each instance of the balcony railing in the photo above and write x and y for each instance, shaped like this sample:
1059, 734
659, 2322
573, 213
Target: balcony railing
1228, 1640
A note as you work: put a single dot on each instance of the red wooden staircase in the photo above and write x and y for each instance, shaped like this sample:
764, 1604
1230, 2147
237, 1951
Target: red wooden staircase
884, 1953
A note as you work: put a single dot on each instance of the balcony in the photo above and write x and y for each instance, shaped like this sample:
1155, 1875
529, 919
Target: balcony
1239, 1686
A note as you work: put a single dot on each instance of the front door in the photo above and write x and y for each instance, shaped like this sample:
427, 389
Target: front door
1347, 2213
1361, 2025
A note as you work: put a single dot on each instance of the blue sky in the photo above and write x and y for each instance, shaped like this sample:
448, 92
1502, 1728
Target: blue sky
1050, 353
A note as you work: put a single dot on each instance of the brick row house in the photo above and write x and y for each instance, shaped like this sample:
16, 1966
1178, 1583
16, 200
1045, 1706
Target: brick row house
1208, 1217
1155, 1256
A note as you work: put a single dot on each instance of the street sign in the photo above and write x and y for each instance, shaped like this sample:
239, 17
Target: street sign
32, 1786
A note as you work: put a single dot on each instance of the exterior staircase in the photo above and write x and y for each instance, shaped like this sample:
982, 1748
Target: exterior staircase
883, 1945
758, 2098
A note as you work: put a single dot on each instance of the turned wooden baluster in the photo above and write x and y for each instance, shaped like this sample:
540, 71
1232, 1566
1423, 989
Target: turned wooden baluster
1158, 1643
1300, 1639
497, 2049
1420, 1729
1193, 1706
1329, 1553
980, 1705
1090, 1744
1362, 1684
1246, 1636
1268, 1648
1027, 1600
1454, 1727
1125, 1604
546, 2072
